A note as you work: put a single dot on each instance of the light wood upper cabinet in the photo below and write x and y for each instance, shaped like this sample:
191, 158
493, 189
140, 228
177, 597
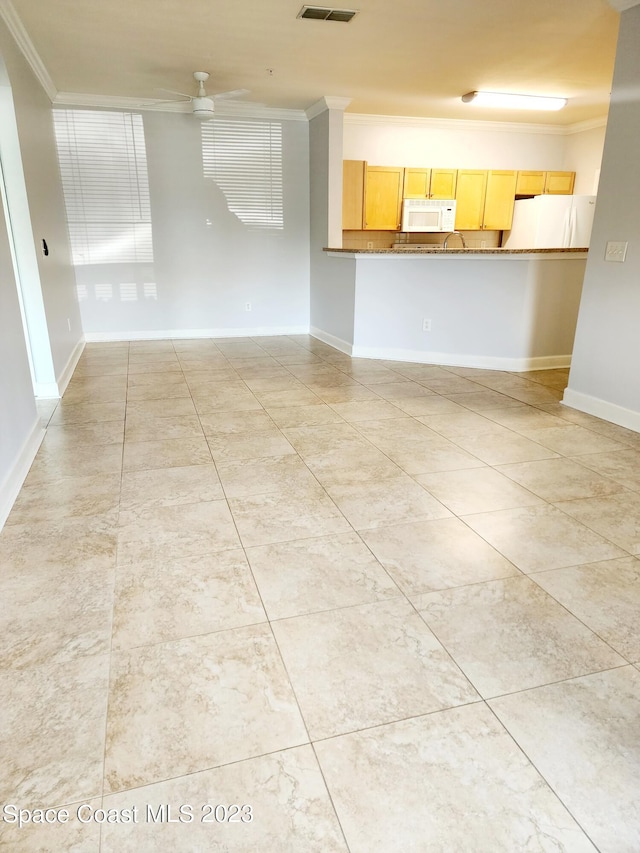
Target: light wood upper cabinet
443, 183
372, 195
383, 197
559, 183
499, 200
352, 194
552, 183
470, 196
484, 200
429, 183
530, 183
416, 183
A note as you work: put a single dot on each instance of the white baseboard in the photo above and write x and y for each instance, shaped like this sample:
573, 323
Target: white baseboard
55, 390
187, 334
548, 362
12, 483
70, 366
602, 409
485, 362
336, 343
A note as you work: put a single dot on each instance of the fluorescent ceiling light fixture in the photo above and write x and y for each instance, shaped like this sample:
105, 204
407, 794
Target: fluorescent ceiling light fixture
513, 102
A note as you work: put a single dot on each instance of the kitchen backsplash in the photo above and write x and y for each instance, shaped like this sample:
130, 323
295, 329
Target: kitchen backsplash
386, 239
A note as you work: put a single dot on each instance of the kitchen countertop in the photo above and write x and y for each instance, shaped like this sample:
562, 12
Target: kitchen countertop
438, 251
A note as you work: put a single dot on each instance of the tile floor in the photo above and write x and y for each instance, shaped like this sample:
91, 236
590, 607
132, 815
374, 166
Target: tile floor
374, 606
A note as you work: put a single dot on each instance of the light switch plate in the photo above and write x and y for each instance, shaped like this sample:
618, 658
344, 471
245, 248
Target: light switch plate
616, 251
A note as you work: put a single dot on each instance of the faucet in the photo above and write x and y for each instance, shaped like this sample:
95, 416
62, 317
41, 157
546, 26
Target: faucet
450, 234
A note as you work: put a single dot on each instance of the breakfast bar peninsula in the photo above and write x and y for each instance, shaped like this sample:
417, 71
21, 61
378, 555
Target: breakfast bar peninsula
501, 309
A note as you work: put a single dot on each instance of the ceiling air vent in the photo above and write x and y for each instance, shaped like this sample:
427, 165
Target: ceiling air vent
319, 14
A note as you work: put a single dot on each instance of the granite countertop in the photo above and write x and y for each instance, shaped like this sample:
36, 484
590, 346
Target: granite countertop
438, 251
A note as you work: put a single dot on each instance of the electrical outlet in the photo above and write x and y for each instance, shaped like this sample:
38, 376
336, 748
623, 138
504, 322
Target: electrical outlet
370, 244
426, 325
247, 306
616, 251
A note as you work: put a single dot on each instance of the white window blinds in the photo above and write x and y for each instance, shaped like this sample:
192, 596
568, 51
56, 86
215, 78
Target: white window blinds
103, 165
244, 158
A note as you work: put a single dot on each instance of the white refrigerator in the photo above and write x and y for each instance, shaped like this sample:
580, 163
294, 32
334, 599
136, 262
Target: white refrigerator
551, 222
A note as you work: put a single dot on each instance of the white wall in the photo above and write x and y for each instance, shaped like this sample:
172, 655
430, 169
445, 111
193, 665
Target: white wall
18, 416
388, 141
506, 313
605, 373
27, 140
207, 264
583, 155
33, 116
332, 280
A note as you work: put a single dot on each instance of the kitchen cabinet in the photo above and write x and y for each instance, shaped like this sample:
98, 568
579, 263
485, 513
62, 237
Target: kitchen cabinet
443, 183
372, 195
499, 200
530, 183
559, 183
470, 197
551, 183
352, 194
417, 183
429, 183
484, 200
383, 197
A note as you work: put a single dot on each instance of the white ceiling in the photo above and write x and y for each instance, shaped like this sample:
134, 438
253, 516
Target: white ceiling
396, 57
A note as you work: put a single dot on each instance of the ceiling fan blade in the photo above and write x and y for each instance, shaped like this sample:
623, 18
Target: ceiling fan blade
161, 102
173, 92
234, 93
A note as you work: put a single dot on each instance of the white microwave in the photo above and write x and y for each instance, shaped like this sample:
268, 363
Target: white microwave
428, 214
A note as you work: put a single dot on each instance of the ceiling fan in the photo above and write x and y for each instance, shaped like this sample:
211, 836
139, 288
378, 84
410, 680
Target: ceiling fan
203, 105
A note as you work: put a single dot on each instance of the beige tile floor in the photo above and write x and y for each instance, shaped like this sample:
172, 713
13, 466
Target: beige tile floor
373, 606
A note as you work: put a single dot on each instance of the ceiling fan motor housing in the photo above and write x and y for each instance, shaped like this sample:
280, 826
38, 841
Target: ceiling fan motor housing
202, 108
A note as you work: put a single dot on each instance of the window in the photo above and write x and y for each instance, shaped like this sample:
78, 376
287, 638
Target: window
244, 158
103, 164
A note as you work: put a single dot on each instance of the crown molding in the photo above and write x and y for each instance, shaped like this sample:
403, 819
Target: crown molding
623, 5
27, 48
589, 124
334, 102
453, 124
328, 102
240, 109
469, 125
117, 102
